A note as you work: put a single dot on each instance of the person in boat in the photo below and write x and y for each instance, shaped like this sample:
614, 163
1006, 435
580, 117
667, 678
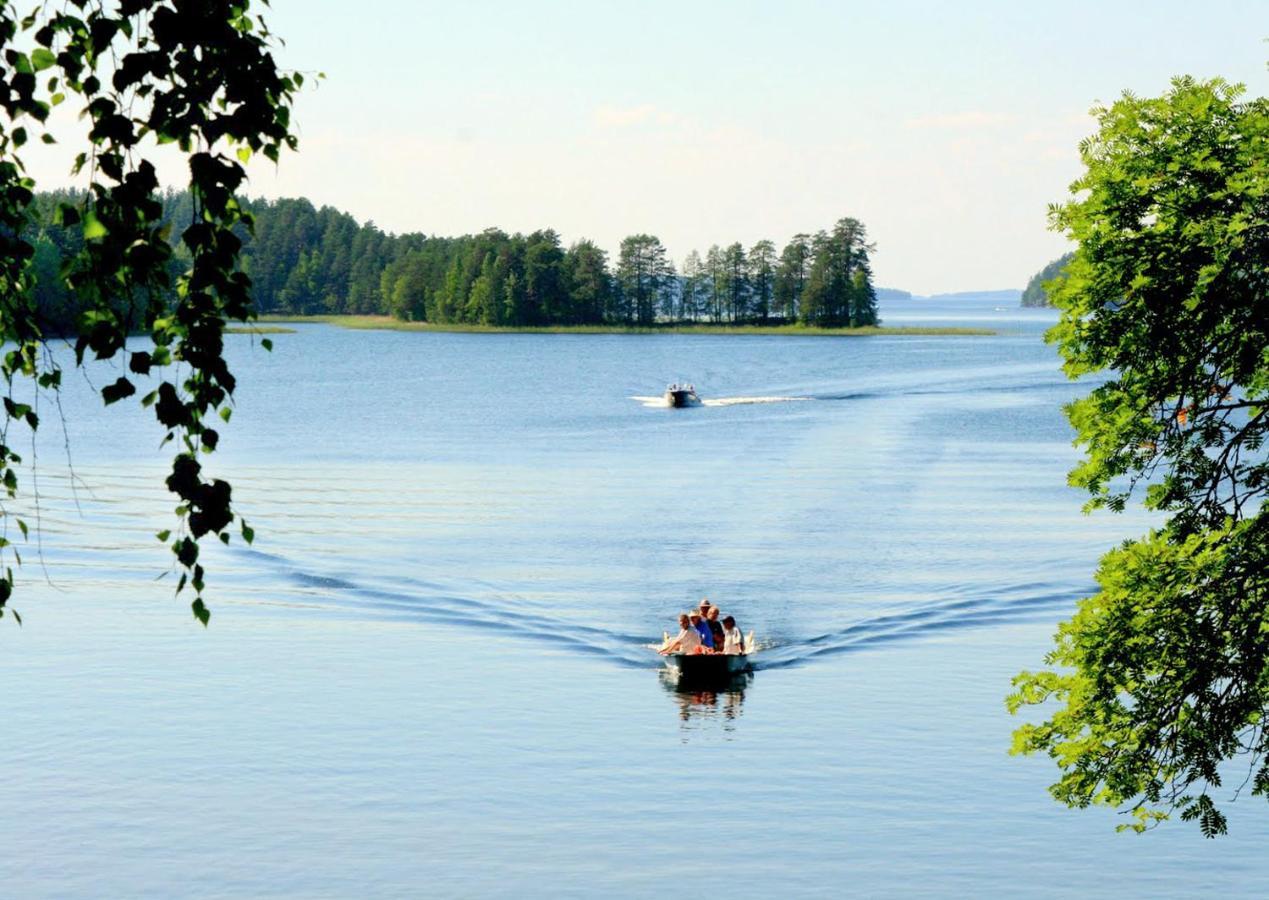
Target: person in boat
697, 618
688, 640
733, 640
715, 628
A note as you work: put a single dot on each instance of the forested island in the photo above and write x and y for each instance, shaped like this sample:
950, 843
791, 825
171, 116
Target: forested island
306, 261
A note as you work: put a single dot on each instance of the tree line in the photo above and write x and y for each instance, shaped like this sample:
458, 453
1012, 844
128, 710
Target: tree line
305, 260
1037, 291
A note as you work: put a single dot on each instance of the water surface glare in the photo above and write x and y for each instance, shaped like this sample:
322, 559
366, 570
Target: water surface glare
430, 674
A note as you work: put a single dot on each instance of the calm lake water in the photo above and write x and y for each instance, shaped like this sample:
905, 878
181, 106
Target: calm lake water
429, 675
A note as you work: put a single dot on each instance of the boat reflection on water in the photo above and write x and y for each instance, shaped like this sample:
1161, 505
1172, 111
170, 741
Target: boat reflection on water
708, 700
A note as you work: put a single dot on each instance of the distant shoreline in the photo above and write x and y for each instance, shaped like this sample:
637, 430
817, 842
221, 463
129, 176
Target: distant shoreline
387, 323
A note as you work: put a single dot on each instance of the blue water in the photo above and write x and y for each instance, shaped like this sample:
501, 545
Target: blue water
429, 675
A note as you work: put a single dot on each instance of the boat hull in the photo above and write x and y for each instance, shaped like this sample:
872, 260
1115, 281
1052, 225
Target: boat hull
711, 667
681, 398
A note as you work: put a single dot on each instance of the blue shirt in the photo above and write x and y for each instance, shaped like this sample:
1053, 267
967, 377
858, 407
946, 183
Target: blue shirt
707, 636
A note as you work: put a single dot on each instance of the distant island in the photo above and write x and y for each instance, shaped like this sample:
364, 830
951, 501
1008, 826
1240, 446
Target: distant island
309, 261
1035, 294
1004, 297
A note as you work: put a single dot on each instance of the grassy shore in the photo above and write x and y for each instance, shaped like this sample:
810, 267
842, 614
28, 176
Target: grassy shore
387, 323
258, 329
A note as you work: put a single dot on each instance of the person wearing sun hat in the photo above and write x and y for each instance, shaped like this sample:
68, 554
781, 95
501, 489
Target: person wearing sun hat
701, 625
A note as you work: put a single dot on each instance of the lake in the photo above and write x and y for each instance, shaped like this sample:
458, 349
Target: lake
429, 675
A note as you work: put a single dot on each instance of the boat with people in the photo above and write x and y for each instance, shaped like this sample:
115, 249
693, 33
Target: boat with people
679, 396
708, 648
709, 666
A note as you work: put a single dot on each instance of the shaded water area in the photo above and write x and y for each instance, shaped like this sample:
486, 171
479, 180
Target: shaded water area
430, 674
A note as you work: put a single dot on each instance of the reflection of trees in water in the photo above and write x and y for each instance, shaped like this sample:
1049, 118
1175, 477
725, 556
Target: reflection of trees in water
717, 701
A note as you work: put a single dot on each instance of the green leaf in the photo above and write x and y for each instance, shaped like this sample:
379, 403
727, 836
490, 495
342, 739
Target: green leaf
122, 388
93, 228
187, 551
42, 58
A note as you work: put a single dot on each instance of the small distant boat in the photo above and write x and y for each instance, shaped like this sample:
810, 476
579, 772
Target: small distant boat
681, 395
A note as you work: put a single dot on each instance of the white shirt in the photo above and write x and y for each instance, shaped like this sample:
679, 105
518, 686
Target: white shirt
731, 641
688, 640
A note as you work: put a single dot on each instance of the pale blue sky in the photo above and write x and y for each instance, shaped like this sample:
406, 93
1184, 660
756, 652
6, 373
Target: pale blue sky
945, 127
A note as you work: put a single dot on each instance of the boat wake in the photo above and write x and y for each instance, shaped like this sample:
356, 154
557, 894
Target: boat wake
661, 403
413, 600
410, 600
743, 401
1044, 380
294, 581
1018, 603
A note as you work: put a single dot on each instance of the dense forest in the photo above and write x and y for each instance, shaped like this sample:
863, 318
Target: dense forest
304, 260
1035, 294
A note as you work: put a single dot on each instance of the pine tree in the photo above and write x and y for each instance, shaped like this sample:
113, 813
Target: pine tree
737, 282
791, 275
816, 304
695, 293
760, 266
716, 274
642, 270
670, 292
546, 298
588, 282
